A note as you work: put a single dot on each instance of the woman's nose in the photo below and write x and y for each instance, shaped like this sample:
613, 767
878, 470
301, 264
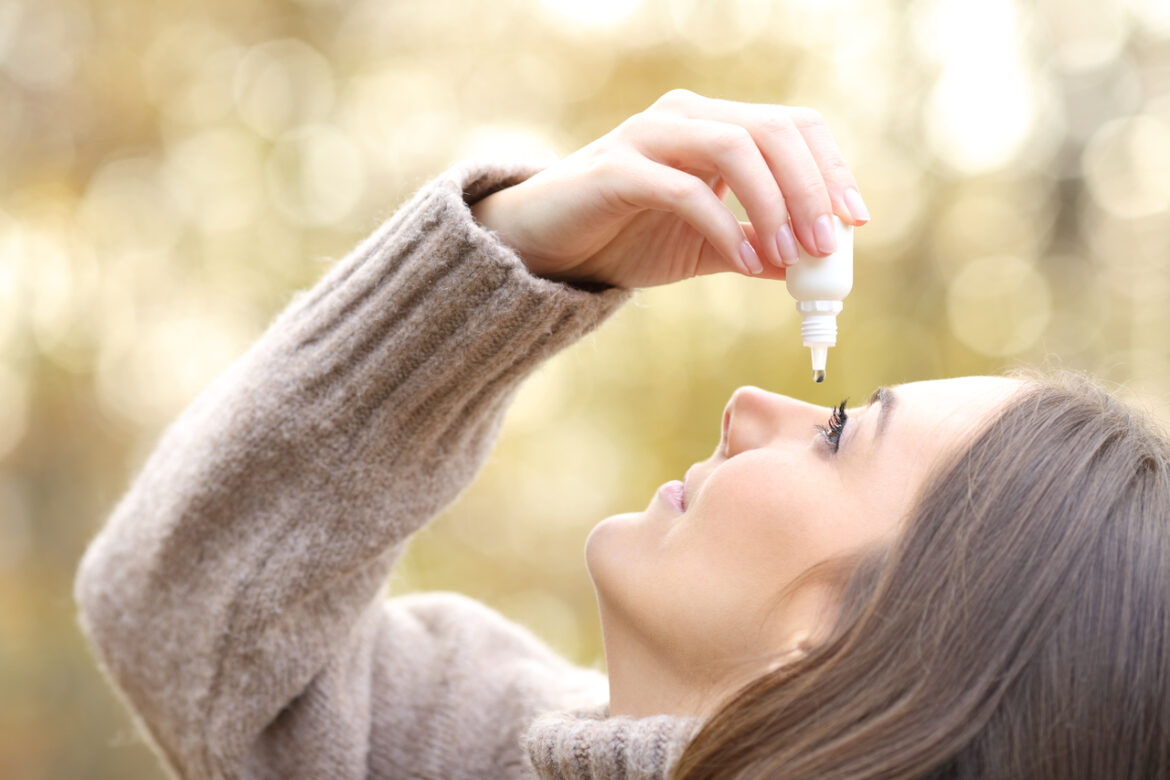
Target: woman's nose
755, 418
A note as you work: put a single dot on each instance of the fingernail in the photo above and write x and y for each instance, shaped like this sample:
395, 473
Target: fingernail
749, 257
856, 205
786, 243
823, 233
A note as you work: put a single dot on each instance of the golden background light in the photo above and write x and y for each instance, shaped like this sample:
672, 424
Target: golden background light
171, 173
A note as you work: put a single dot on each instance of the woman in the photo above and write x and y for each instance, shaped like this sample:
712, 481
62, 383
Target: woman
963, 578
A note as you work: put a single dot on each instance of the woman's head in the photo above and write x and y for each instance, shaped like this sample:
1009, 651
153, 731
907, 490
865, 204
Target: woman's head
695, 603
1015, 623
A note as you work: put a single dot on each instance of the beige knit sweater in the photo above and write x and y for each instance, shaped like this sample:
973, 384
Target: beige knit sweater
233, 596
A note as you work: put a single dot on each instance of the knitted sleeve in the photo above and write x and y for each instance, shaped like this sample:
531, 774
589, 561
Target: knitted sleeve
232, 597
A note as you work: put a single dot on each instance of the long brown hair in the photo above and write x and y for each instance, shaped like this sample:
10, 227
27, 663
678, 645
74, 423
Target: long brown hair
1018, 628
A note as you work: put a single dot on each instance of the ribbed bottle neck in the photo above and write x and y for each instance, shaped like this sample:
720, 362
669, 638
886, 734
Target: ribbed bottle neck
818, 322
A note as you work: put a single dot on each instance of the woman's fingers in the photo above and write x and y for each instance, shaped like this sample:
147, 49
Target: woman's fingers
646, 184
712, 262
729, 150
799, 176
832, 164
721, 188
799, 151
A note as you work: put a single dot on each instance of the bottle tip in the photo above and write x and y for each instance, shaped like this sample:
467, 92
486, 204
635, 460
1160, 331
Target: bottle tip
818, 375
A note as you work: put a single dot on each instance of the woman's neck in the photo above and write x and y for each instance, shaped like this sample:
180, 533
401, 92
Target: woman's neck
642, 683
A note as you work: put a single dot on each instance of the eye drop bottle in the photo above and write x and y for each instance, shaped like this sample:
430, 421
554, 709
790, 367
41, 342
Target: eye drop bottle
819, 285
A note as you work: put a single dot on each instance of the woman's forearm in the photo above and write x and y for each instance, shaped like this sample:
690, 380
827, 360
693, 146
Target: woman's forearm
269, 515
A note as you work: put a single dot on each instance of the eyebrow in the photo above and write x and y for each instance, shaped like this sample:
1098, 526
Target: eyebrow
889, 402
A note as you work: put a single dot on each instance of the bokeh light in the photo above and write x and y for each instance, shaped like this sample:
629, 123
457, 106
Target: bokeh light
281, 84
173, 172
315, 175
214, 177
595, 13
1127, 166
982, 108
41, 42
1012, 289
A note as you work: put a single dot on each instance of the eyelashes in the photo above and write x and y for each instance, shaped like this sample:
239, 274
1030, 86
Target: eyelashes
832, 431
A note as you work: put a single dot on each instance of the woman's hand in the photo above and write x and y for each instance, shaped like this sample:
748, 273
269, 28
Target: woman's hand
643, 204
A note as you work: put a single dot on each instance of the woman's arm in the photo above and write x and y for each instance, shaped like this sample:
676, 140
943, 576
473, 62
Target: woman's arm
232, 594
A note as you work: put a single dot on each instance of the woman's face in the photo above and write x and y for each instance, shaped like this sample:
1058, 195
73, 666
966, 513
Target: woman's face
696, 587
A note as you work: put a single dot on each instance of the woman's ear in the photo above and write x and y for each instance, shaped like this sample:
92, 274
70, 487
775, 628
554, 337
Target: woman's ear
798, 648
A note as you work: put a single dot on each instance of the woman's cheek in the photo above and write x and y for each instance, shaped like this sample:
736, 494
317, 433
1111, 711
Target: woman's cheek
764, 508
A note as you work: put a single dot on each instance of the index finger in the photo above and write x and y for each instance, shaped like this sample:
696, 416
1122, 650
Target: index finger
849, 207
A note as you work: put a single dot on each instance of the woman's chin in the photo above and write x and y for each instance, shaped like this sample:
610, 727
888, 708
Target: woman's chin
610, 544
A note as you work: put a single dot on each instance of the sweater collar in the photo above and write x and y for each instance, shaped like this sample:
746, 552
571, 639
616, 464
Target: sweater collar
588, 743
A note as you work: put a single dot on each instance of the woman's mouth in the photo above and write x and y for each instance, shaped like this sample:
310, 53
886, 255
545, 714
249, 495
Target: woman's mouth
674, 494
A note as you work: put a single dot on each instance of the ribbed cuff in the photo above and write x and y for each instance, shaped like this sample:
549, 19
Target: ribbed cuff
589, 743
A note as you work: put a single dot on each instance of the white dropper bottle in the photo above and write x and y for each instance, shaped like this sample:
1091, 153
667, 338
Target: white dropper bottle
819, 285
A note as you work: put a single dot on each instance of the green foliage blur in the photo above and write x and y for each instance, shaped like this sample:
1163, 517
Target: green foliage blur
171, 172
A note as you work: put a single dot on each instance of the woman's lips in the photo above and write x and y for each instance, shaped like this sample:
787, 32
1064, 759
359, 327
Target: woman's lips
687, 482
674, 494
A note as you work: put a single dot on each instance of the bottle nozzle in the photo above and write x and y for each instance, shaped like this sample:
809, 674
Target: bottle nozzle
820, 355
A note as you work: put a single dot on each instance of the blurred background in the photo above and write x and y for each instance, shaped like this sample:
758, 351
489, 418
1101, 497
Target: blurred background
171, 172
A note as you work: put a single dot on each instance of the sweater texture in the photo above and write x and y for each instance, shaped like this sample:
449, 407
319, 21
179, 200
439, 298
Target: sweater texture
234, 599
